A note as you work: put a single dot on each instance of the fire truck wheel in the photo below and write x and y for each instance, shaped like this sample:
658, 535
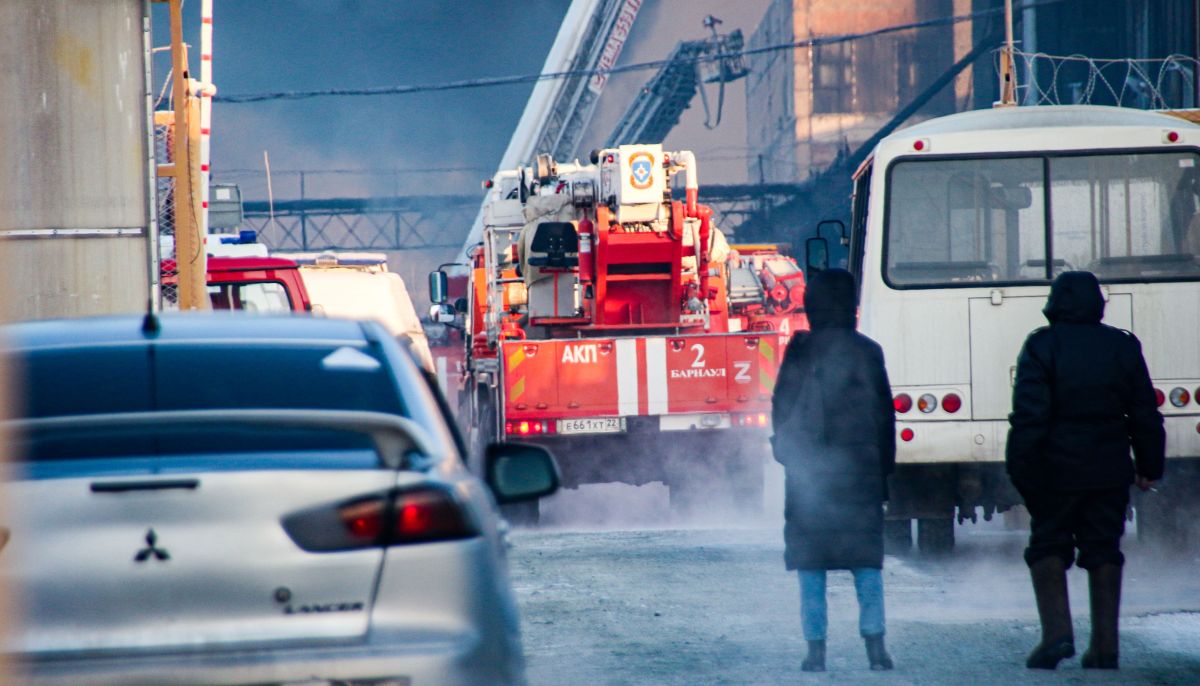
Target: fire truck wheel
725, 480
897, 536
482, 433
522, 514
746, 476
935, 536
685, 497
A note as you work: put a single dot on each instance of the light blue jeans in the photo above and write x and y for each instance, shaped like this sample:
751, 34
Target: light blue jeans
868, 585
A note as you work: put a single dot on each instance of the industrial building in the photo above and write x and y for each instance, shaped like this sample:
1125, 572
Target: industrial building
812, 105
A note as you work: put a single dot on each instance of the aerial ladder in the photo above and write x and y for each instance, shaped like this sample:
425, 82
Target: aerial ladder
591, 37
658, 106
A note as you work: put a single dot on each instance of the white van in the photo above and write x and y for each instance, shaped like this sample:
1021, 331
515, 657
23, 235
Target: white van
347, 285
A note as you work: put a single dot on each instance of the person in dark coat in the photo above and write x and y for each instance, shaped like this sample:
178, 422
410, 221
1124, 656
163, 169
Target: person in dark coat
1082, 399
835, 435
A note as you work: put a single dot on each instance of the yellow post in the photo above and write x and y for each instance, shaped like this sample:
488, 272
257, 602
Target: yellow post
1008, 80
190, 258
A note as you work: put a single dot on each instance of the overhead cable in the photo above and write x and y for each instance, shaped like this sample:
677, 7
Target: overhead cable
640, 66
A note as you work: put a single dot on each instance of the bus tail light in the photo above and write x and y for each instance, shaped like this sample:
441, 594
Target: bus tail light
902, 403
1180, 396
1159, 397
927, 403
907, 434
951, 403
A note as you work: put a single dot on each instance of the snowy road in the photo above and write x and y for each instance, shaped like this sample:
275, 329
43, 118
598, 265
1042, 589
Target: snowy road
715, 606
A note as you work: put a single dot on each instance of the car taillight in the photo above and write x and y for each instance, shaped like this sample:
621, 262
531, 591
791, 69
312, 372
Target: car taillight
927, 403
1159, 397
907, 435
902, 403
364, 520
417, 515
1180, 396
951, 403
428, 515
530, 427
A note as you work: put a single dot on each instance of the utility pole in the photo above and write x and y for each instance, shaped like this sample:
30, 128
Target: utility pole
191, 261
1008, 83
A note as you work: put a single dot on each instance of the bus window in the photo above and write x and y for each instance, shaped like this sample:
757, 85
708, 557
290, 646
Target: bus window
1127, 216
965, 221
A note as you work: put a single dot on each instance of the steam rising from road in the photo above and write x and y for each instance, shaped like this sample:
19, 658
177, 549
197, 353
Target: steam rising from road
620, 506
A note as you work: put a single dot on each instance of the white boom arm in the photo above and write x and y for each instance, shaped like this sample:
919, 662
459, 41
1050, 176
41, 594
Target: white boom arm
591, 36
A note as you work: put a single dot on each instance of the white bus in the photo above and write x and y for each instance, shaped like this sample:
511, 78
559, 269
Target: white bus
958, 226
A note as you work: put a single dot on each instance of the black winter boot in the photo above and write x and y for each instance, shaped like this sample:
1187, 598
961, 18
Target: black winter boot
1104, 584
815, 660
1049, 576
877, 654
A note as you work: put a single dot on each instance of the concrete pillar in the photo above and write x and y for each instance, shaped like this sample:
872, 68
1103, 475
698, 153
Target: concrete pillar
75, 189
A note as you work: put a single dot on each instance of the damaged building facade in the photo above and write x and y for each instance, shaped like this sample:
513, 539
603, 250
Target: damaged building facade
811, 108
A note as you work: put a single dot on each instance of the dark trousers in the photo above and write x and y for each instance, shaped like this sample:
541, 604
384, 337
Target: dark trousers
1090, 521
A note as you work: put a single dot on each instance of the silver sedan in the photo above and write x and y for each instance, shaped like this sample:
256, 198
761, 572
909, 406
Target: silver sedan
273, 538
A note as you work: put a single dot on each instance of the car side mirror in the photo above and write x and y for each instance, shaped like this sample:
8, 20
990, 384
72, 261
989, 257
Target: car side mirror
518, 472
816, 256
439, 285
843, 236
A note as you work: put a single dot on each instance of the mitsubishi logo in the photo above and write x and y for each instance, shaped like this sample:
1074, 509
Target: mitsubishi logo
152, 549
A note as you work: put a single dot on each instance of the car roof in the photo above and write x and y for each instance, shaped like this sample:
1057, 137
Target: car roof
181, 326
1045, 116
234, 264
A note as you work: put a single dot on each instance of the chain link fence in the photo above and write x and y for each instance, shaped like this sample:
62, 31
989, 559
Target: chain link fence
163, 141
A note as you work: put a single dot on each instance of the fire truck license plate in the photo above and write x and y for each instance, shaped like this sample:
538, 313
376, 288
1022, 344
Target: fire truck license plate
592, 425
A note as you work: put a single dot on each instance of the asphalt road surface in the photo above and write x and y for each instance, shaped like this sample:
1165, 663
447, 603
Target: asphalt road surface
710, 605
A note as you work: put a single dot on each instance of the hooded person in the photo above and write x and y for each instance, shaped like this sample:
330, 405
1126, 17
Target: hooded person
1082, 400
835, 436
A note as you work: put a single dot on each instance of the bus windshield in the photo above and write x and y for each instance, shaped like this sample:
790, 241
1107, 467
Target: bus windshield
1124, 216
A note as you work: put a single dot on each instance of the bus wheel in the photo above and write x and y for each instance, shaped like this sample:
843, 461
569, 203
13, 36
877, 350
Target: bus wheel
1159, 523
935, 536
897, 536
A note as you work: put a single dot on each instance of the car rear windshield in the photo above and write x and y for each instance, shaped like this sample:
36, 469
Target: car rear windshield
209, 447
140, 377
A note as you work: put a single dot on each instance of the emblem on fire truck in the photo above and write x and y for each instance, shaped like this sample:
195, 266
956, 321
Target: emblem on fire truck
641, 170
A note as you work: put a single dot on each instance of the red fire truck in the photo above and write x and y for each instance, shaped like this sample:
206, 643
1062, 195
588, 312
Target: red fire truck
615, 325
268, 285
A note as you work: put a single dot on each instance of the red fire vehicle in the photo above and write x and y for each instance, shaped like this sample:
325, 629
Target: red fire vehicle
257, 284
615, 325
